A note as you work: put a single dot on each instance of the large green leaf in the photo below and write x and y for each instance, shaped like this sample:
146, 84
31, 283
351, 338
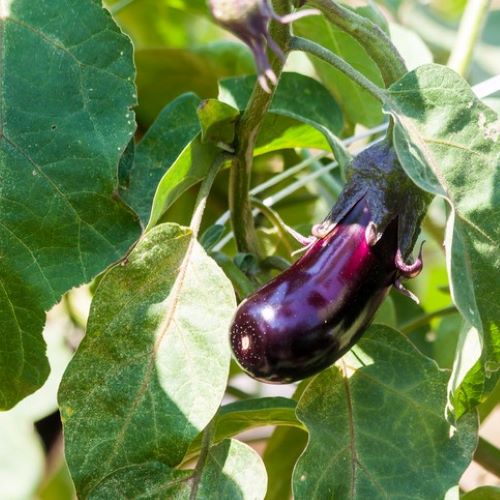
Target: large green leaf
241, 416
169, 159
152, 369
232, 471
382, 432
66, 93
280, 464
447, 141
302, 113
356, 103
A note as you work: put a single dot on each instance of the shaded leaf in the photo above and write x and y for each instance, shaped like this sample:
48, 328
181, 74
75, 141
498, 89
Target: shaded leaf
217, 120
280, 463
447, 141
169, 159
382, 432
356, 103
143, 481
483, 493
299, 103
233, 470
66, 97
241, 416
163, 312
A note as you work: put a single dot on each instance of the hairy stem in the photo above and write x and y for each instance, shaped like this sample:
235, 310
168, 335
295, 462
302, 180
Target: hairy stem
376, 43
488, 456
298, 43
424, 320
469, 32
246, 133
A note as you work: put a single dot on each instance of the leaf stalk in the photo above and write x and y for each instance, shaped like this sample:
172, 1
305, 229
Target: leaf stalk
376, 43
471, 26
299, 43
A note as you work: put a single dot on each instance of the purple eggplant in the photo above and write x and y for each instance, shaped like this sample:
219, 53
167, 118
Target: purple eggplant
307, 317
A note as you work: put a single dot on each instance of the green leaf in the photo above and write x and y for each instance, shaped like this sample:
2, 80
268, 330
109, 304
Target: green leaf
169, 159
22, 460
66, 97
144, 481
152, 368
164, 74
447, 141
217, 120
279, 463
240, 416
357, 104
382, 432
233, 470
483, 493
302, 113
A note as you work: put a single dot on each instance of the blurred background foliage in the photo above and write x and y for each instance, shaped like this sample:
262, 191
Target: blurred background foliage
178, 49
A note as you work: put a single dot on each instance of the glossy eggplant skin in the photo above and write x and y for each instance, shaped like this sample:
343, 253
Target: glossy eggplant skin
307, 317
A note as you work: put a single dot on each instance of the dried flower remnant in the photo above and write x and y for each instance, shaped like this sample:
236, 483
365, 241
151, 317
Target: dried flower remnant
249, 21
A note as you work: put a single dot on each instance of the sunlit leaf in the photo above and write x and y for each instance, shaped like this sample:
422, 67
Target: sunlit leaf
382, 432
152, 368
448, 143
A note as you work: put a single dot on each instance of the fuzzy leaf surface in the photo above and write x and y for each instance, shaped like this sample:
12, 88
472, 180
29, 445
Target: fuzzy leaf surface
382, 432
448, 142
66, 93
152, 368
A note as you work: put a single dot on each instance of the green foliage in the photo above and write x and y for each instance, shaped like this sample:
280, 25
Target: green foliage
62, 223
377, 430
147, 326
145, 397
447, 141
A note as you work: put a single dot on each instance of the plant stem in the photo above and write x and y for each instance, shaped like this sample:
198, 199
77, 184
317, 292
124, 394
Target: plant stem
298, 43
201, 200
424, 320
75, 317
208, 435
486, 407
246, 132
373, 39
238, 393
469, 32
275, 220
488, 456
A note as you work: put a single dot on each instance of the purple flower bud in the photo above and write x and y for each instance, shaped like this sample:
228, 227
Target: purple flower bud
310, 315
249, 21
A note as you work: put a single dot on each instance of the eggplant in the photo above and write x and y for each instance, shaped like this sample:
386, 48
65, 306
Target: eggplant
306, 318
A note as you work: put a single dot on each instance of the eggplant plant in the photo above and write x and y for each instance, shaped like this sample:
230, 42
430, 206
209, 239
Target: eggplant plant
200, 200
